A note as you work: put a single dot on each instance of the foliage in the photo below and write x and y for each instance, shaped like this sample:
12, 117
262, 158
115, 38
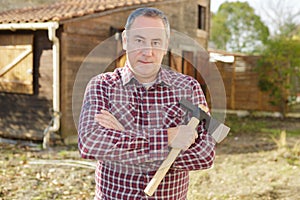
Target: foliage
245, 125
291, 154
281, 141
279, 64
235, 27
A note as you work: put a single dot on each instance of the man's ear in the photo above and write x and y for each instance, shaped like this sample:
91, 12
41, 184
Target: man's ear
124, 40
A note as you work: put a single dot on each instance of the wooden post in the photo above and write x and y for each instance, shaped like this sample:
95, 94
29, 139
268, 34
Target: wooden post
232, 95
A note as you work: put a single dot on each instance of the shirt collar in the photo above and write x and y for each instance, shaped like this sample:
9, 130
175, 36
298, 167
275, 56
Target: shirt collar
126, 74
162, 78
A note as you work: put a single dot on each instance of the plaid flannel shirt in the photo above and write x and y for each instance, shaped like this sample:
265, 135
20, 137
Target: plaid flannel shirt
128, 159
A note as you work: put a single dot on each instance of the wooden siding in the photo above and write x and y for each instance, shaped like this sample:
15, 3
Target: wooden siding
242, 90
79, 38
26, 116
16, 67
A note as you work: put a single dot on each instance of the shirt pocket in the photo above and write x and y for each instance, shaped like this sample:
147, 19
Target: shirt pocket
125, 114
173, 115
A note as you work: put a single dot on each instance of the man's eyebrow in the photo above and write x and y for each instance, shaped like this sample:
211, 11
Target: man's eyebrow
142, 37
157, 39
139, 36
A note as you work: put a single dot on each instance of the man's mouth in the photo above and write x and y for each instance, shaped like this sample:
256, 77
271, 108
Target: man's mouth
145, 62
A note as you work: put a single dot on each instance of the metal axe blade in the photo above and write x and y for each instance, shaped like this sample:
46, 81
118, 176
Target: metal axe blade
216, 129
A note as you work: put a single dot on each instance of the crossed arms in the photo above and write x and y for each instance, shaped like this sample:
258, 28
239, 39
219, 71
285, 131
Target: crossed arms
103, 137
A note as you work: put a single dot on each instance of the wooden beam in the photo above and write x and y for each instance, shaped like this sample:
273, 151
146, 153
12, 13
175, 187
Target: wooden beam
18, 59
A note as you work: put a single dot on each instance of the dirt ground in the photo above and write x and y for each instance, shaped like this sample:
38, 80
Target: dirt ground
252, 163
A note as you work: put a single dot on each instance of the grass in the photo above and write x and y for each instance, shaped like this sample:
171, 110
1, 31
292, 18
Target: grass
291, 154
244, 124
281, 141
274, 128
260, 174
246, 175
258, 125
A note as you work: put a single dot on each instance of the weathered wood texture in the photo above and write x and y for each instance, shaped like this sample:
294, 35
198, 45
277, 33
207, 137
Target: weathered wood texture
16, 64
239, 78
241, 85
26, 116
84, 37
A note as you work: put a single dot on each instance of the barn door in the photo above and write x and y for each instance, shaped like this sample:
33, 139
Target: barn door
16, 64
182, 63
120, 53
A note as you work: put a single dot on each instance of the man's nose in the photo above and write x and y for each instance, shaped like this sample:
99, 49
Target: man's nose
147, 50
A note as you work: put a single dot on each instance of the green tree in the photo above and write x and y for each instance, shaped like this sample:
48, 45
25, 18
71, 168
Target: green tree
278, 67
236, 28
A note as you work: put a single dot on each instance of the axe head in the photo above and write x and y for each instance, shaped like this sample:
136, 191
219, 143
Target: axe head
190, 107
216, 129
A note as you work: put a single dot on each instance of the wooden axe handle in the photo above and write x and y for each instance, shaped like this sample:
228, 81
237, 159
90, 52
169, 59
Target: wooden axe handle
165, 166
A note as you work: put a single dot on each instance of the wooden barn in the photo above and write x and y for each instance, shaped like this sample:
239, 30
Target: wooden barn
42, 50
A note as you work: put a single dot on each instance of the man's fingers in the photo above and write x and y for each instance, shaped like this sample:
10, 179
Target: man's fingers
106, 114
103, 120
182, 137
106, 124
116, 124
196, 134
204, 108
107, 120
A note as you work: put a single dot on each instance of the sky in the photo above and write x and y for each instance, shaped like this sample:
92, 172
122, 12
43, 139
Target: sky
265, 8
258, 5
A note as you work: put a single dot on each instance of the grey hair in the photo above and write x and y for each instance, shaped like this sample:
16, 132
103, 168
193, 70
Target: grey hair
148, 12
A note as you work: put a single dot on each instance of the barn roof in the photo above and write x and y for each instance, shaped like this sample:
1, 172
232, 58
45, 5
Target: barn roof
66, 10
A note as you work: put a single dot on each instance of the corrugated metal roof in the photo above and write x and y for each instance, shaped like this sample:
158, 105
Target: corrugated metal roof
65, 10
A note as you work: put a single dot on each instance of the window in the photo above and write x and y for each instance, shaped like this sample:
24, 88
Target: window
16, 64
201, 17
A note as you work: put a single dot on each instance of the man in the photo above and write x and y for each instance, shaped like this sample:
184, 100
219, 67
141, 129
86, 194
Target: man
131, 117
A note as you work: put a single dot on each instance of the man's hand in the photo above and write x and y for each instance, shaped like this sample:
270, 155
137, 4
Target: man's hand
181, 137
107, 120
204, 108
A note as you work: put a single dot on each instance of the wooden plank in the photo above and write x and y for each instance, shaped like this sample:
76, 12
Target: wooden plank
82, 45
98, 26
187, 66
15, 39
246, 106
175, 62
233, 87
19, 79
17, 60
16, 64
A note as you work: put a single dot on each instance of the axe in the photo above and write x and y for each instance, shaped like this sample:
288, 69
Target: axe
216, 129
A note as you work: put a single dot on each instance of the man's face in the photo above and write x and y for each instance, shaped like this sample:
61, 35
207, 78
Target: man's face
145, 44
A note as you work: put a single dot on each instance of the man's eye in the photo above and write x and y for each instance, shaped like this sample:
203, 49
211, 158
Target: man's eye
157, 43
